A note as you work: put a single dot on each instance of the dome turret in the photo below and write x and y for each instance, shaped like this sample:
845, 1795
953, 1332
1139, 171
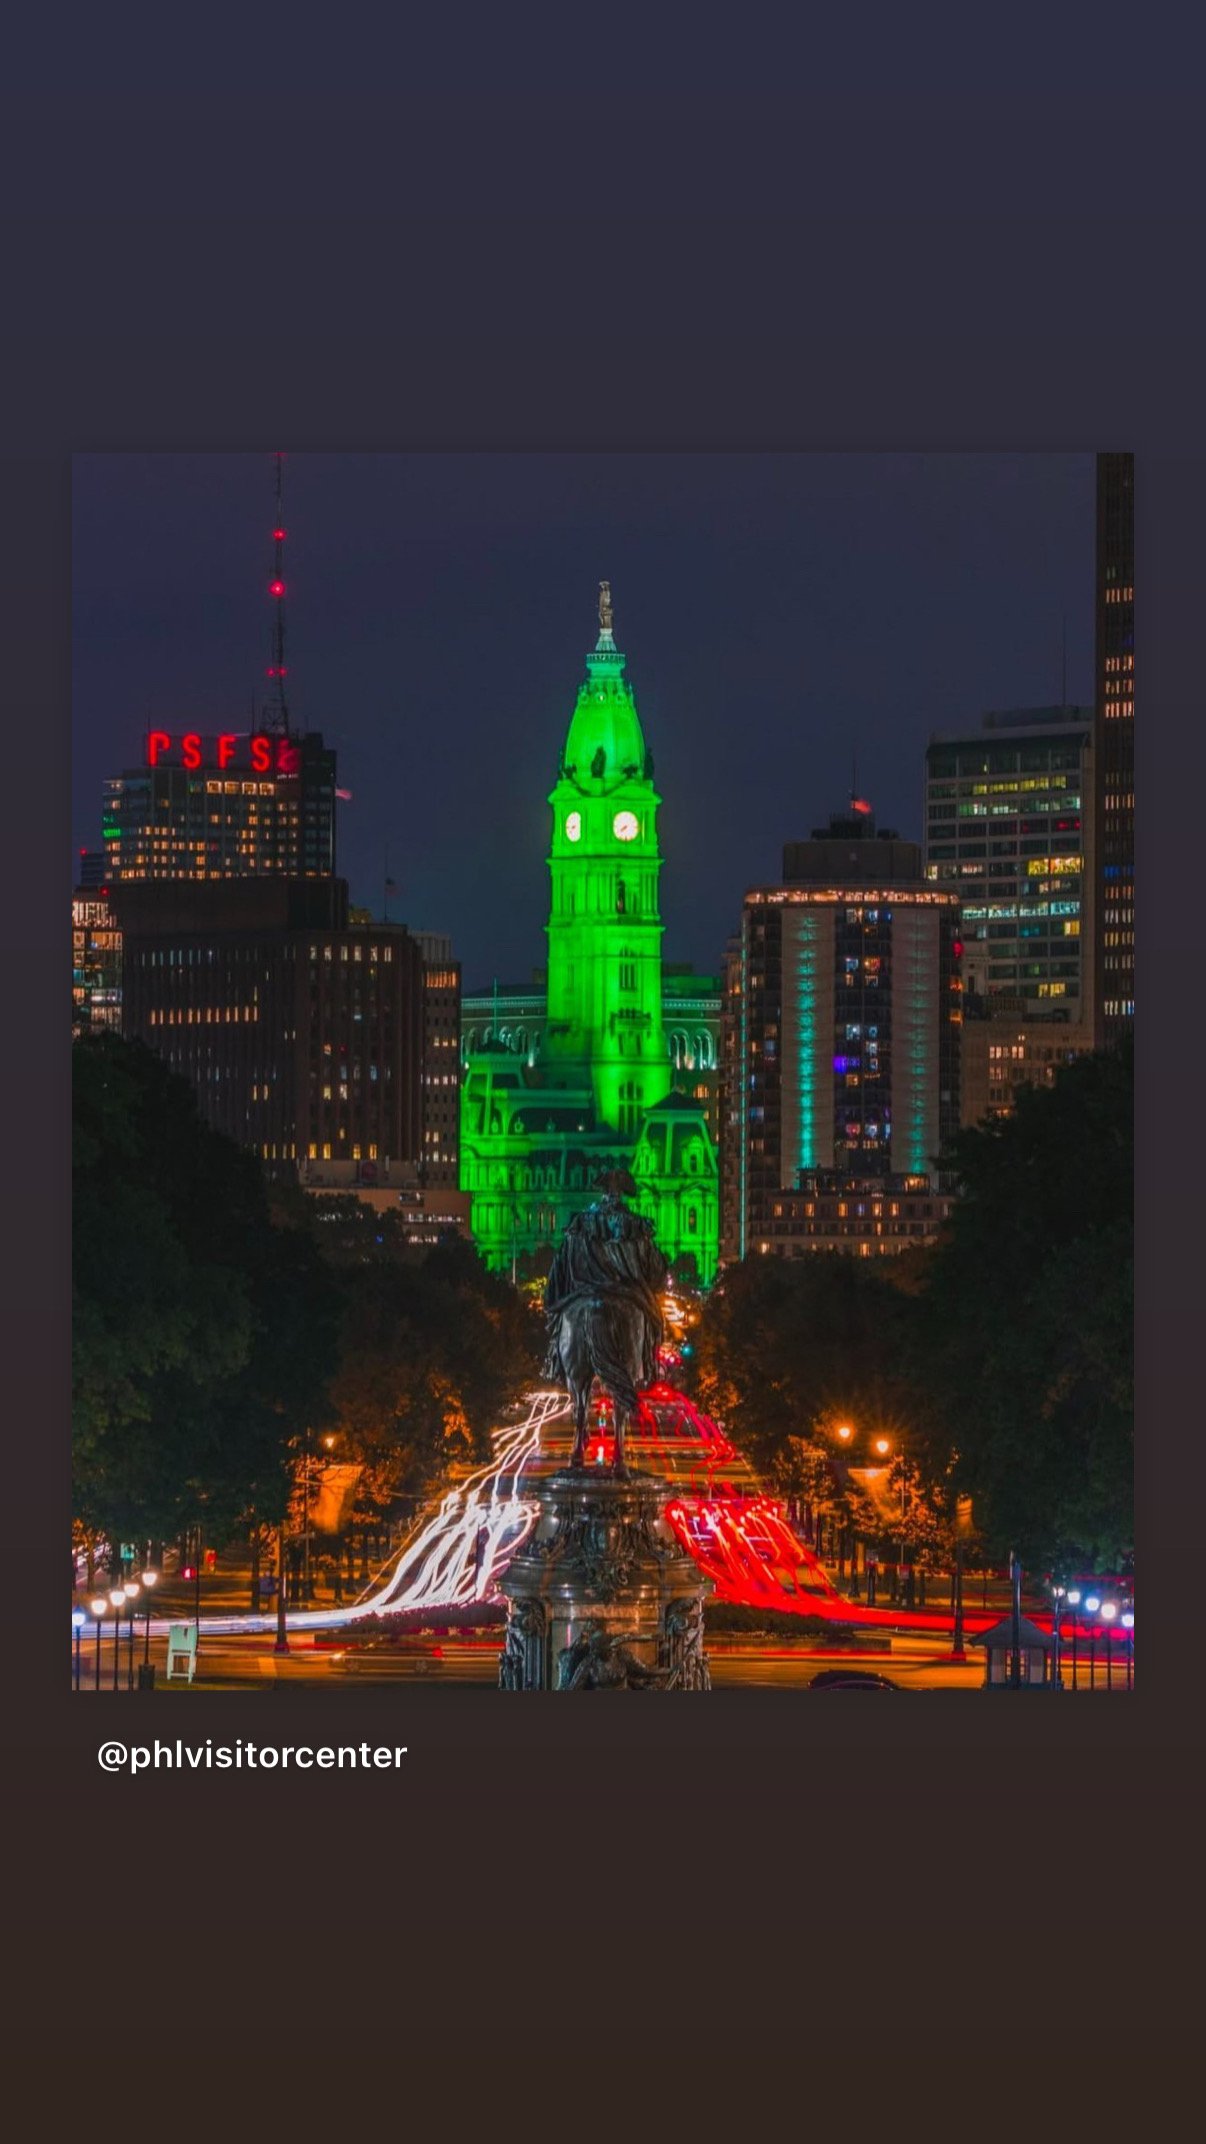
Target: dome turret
605, 745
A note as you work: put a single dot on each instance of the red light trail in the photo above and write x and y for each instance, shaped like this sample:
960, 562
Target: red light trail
741, 1538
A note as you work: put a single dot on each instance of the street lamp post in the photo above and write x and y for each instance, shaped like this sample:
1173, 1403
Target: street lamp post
1127, 1619
883, 1446
958, 1651
1057, 1602
131, 1589
1015, 1622
282, 1629
150, 1579
98, 1606
78, 1620
1073, 1599
1109, 1610
306, 1593
1092, 1604
117, 1601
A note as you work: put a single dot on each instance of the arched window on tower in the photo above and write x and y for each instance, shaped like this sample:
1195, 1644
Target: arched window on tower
630, 1104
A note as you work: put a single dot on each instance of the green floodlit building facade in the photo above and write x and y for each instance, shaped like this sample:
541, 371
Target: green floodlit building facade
598, 1091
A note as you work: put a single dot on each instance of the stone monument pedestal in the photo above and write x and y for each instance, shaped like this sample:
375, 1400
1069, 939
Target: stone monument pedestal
602, 1594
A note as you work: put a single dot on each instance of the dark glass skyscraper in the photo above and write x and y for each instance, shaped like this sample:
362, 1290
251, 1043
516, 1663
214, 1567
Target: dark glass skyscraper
1115, 725
1009, 811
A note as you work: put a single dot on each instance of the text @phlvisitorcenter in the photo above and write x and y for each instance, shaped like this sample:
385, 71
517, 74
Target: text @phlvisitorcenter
247, 1756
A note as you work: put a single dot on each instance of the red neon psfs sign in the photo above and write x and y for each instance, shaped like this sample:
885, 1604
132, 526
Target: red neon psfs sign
256, 752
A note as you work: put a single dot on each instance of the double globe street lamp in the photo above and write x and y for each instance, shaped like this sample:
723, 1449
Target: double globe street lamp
844, 1433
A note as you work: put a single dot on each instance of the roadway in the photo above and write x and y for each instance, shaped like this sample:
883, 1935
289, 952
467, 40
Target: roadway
248, 1663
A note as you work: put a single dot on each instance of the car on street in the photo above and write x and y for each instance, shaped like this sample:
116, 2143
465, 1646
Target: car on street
850, 1679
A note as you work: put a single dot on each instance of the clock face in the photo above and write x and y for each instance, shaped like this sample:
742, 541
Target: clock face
573, 826
625, 826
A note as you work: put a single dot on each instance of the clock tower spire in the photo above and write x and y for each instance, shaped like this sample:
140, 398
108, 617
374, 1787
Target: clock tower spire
605, 928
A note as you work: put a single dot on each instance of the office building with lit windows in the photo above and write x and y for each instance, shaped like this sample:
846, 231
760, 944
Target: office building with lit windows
235, 805
1115, 746
301, 1035
859, 1216
441, 1060
1009, 828
95, 961
1002, 1054
842, 1020
240, 805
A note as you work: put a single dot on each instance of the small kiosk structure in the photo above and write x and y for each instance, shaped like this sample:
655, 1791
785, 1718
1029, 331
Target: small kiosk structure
1018, 1655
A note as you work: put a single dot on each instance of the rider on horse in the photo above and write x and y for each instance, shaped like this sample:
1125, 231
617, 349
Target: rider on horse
603, 1306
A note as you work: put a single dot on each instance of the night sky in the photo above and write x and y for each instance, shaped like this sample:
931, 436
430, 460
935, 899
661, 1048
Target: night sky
779, 614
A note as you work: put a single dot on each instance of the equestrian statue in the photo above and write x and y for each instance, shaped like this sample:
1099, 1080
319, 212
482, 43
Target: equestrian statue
604, 1310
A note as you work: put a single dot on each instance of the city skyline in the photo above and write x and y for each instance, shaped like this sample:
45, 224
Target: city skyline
436, 598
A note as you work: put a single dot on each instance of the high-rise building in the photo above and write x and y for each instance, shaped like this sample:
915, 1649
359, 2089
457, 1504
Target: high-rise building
1115, 746
1009, 828
236, 805
593, 1088
302, 1036
441, 1059
843, 1013
95, 961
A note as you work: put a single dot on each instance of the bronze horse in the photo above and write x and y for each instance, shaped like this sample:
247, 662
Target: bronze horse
603, 1307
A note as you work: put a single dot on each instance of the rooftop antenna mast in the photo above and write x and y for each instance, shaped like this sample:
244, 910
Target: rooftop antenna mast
276, 589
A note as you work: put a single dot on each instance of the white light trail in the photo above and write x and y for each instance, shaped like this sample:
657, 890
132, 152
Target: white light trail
440, 1565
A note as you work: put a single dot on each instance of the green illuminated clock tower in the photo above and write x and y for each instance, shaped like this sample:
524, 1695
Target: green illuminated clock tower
604, 930
596, 1092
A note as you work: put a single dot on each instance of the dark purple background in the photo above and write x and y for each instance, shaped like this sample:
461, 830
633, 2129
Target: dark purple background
1002, 244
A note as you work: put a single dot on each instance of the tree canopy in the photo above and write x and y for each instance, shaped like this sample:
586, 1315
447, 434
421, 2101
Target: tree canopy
203, 1336
1000, 1364
788, 1347
432, 1352
1023, 1346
